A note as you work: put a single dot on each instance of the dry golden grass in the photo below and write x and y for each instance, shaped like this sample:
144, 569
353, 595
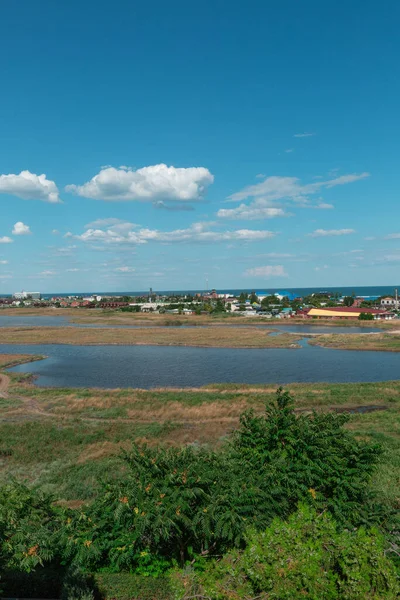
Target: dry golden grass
10, 360
72, 437
389, 342
223, 337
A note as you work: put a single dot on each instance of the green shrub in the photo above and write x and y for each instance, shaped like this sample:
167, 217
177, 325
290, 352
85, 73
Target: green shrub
305, 557
175, 504
365, 317
123, 586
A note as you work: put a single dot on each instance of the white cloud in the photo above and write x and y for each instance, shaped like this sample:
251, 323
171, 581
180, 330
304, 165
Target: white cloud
5, 240
267, 271
156, 182
330, 232
106, 223
392, 236
128, 233
289, 150
30, 186
72, 270
260, 176
321, 268
303, 135
251, 212
125, 269
55, 232
276, 255
3, 262
21, 229
324, 206
279, 188
46, 273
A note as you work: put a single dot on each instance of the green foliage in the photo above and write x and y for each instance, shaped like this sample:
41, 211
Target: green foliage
365, 317
124, 586
253, 298
77, 585
305, 557
29, 528
348, 301
177, 503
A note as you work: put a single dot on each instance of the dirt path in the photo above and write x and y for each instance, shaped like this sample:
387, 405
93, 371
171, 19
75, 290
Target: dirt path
4, 383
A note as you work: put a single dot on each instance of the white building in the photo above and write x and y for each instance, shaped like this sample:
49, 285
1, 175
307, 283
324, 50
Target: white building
388, 302
25, 295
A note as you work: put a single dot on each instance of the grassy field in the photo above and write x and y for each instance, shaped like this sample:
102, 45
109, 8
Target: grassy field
223, 337
114, 317
389, 342
67, 440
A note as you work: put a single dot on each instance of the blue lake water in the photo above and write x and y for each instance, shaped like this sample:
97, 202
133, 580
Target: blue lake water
157, 366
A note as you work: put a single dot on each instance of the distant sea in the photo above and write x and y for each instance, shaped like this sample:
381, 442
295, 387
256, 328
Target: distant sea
365, 291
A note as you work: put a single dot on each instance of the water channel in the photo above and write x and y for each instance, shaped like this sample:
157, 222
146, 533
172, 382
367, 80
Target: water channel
172, 366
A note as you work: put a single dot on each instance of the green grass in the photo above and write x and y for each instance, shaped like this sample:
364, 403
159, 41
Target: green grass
68, 440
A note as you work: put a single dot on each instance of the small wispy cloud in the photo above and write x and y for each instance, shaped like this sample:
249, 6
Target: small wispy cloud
330, 232
304, 135
289, 150
125, 269
267, 271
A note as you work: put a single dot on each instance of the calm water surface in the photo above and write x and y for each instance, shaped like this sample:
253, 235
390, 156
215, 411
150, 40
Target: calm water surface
154, 366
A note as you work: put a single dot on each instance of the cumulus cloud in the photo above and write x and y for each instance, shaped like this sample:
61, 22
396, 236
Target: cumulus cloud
289, 150
128, 233
267, 271
46, 273
3, 262
278, 188
72, 270
30, 186
251, 213
21, 229
321, 268
330, 232
156, 182
5, 240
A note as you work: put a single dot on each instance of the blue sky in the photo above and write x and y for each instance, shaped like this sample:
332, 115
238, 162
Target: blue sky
157, 144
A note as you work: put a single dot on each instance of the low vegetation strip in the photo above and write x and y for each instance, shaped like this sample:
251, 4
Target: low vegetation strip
387, 342
11, 360
288, 507
207, 337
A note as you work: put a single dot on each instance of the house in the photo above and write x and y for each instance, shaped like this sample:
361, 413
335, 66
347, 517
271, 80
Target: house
389, 302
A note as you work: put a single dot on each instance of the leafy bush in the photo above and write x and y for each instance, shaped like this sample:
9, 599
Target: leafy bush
29, 528
180, 504
305, 557
365, 317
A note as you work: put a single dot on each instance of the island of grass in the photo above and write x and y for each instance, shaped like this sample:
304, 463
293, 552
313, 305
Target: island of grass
386, 342
205, 337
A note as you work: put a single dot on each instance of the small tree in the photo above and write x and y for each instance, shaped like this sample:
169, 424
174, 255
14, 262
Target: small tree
254, 298
365, 316
348, 301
